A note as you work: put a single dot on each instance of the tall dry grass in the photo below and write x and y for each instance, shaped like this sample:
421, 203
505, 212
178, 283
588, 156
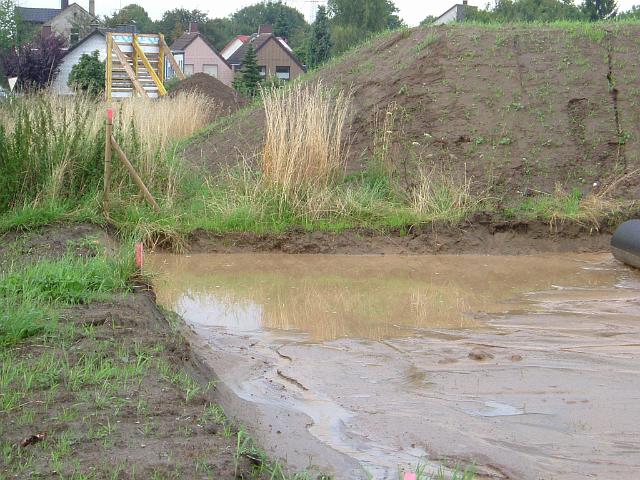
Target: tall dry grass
304, 148
51, 147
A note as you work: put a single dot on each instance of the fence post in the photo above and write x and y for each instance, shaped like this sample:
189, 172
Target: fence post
107, 161
134, 175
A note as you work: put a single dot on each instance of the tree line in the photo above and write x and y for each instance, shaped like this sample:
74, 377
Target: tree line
511, 11
337, 27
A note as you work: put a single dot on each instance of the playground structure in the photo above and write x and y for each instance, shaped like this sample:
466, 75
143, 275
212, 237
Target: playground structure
136, 65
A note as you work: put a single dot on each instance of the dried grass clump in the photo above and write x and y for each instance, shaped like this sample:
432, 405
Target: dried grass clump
440, 196
304, 148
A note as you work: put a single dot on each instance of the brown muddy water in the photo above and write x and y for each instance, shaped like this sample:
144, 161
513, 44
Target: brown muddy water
525, 366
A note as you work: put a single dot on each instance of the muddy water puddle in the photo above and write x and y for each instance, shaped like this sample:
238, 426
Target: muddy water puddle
525, 366
328, 297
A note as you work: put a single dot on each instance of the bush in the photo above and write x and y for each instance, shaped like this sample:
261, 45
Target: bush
88, 74
35, 64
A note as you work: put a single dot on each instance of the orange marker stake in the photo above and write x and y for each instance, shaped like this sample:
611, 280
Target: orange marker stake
409, 476
139, 255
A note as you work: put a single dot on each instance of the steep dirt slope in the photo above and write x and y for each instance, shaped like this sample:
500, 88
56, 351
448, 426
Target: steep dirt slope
517, 109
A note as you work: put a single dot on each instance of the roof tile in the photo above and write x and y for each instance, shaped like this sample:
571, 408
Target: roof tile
37, 15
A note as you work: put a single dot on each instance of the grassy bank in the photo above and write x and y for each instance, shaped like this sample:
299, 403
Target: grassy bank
51, 156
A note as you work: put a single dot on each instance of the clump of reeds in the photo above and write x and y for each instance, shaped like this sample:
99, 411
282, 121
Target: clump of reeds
304, 149
439, 195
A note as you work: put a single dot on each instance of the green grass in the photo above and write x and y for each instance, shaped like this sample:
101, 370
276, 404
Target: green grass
430, 39
456, 473
32, 294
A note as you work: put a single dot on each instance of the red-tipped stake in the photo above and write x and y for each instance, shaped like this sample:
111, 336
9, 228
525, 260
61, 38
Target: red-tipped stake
410, 476
110, 115
139, 255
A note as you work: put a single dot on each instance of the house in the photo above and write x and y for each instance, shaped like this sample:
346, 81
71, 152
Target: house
71, 21
274, 54
199, 56
234, 45
89, 44
454, 14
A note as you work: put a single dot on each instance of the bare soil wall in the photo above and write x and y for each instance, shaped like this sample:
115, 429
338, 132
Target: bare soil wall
517, 109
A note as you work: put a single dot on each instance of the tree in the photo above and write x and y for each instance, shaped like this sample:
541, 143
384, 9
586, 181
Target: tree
633, 13
353, 21
509, 11
218, 31
428, 20
88, 74
175, 22
132, 13
36, 63
248, 82
281, 26
288, 22
8, 24
599, 9
320, 43
371, 15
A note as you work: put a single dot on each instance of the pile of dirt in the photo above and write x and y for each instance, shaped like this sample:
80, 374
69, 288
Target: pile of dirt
517, 109
213, 88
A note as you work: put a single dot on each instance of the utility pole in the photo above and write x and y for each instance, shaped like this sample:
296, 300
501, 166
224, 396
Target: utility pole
313, 6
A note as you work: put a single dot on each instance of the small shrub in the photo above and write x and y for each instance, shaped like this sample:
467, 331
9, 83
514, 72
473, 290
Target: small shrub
88, 75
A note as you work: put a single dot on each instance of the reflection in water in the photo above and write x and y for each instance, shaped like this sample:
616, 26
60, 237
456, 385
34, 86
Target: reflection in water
358, 296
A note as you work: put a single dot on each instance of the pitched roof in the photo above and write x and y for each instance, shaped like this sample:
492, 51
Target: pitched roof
259, 41
184, 40
37, 15
188, 37
44, 15
242, 38
74, 5
101, 31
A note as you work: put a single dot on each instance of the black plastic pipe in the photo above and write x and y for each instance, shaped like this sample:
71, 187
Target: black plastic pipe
625, 243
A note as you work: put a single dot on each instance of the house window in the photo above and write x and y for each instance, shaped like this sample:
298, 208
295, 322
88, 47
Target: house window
283, 73
263, 71
188, 68
74, 35
211, 70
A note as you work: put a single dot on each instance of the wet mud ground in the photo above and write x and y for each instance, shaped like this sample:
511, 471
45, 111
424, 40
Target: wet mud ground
525, 366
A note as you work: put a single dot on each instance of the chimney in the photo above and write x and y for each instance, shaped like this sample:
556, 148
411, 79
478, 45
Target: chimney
92, 7
265, 28
64, 4
465, 2
193, 27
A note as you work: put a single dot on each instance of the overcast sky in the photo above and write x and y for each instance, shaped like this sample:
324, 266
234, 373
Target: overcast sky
412, 11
